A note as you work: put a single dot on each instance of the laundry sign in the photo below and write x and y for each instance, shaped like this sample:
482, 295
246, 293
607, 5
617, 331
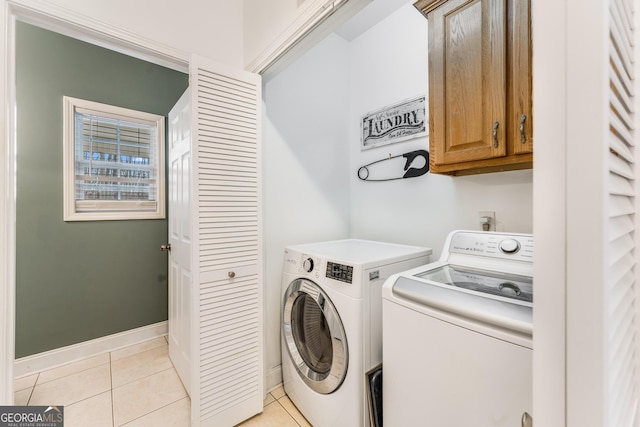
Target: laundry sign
394, 123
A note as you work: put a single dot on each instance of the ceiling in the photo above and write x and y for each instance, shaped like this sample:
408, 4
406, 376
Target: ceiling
368, 17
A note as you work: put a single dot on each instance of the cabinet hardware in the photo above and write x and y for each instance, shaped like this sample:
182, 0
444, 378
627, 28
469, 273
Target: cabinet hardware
523, 137
495, 133
527, 421
232, 274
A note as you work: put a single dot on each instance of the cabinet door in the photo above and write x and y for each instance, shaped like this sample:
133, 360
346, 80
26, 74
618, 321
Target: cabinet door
520, 112
467, 82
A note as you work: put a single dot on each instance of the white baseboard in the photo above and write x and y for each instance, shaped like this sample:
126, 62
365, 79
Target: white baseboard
274, 377
61, 356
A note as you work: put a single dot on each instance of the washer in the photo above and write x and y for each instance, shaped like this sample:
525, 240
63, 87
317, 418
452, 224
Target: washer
332, 324
458, 335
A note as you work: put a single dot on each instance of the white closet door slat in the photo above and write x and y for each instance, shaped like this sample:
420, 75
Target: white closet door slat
620, 205
620, 185
620, 226
620, 167
620, 129
621, 109
623, 51
620, 89
620, 72
621, 34
620, 247
620, 321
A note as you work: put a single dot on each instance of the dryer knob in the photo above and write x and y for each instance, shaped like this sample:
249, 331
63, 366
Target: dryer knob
509, 246
307, 265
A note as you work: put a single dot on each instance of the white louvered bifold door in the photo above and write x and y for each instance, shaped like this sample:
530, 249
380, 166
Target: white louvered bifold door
227, 384
621, 391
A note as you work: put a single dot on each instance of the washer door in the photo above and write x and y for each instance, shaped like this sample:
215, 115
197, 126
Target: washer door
314, 336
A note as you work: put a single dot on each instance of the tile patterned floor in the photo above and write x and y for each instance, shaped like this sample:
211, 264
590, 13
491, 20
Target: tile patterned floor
134, 387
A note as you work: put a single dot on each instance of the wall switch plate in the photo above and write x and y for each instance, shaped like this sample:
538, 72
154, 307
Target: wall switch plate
487, 220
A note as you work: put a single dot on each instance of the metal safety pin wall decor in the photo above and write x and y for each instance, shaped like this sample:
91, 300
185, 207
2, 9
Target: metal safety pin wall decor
368, 173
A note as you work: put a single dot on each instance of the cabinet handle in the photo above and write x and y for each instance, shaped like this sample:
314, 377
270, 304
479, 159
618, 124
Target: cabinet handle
231, 274
523, 137
495, 133
527, 421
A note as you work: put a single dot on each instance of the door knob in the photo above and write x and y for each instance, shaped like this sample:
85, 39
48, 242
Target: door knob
165, 248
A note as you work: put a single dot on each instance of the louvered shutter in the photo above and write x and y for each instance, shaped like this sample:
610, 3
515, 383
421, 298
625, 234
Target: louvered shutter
621, 393
228, 328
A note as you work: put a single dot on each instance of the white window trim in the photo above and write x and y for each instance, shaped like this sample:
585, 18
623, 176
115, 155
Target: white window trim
110, 210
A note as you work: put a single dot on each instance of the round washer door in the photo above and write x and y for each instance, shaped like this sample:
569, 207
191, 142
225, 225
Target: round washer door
314, 336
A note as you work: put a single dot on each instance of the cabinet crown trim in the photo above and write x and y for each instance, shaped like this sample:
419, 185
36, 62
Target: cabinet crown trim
426, 6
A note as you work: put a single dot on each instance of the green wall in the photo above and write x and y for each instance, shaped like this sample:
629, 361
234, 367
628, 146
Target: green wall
78, 281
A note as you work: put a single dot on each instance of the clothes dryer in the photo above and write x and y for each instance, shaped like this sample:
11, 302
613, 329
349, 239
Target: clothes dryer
332, 324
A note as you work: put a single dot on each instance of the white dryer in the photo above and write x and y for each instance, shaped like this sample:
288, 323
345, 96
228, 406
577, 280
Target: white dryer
332, 324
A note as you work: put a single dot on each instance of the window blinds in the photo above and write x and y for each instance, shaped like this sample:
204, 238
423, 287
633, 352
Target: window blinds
115, 160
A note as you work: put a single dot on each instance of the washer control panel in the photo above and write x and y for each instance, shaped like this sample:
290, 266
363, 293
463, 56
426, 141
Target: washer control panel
340, 272
496, 245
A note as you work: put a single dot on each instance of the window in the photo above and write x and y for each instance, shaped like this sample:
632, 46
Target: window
113, 162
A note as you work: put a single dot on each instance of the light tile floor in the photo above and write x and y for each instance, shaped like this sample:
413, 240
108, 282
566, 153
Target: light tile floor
136, 386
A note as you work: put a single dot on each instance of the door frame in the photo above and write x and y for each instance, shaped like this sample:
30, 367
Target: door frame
66, 22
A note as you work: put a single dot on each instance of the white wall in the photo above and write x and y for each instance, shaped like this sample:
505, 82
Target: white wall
264, 21
277, 32
306, 196
388, 63
212, 28
312, 153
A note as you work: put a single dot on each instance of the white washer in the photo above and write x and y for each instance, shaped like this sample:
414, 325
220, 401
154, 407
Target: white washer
332, 324
457, 347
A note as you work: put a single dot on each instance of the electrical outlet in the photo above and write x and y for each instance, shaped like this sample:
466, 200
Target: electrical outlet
487, 220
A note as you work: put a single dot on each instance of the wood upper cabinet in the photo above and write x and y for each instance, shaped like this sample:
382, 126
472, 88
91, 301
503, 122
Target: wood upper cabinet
479, 85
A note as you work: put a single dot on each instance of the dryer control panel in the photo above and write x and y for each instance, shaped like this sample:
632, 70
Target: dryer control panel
341, 272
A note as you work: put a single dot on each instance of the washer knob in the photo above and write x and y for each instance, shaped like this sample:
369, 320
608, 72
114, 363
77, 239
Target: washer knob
307, 265
509, 246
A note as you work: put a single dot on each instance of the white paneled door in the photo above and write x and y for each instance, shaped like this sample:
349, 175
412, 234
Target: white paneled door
215, 278
180, 277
